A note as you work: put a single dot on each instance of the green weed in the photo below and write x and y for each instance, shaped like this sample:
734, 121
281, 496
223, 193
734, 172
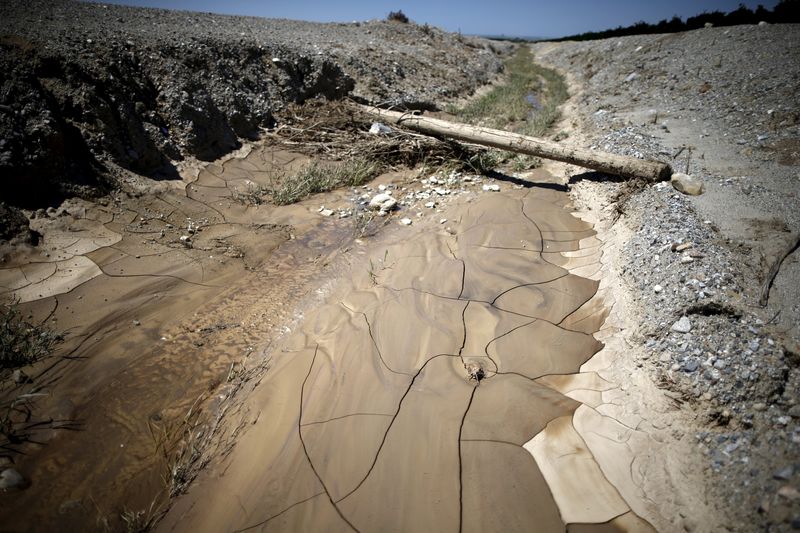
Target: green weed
318, 177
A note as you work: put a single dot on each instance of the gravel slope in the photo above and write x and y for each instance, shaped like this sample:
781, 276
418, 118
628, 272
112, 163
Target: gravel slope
722, 104
86, 84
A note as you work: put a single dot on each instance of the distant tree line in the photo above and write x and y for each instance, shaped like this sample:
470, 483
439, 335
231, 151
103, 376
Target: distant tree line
785, 11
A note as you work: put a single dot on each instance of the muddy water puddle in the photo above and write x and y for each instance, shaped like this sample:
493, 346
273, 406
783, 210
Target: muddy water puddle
155, 325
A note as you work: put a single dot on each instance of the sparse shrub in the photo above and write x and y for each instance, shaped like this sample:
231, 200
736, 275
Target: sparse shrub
397, 16
22, 343
322, 178
253, 194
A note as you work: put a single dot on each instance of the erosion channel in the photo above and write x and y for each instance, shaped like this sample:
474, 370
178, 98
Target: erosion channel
432, 380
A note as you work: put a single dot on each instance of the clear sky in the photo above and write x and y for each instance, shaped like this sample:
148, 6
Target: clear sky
534, 18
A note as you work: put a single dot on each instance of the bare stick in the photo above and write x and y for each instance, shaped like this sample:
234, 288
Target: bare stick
776, 266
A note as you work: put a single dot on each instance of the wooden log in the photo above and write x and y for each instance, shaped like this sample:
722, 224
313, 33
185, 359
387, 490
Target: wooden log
618, 165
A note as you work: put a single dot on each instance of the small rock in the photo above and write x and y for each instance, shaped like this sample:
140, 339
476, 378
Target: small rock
491, 187
687, 184
691, 365
430, 205
137, 323
794, 411
381, 187
20, 377
657, 288
682, 326
788, 492
326, 212
784, 473
406, 221
383, 201
11, 479
442, 220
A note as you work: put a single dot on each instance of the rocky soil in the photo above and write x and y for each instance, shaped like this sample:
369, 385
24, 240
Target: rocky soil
720, 104
87, 87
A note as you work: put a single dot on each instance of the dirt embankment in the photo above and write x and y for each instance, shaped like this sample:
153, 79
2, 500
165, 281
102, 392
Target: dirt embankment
88, 87
720, 104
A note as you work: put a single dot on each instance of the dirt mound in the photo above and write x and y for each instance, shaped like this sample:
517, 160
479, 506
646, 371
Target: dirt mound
87, 84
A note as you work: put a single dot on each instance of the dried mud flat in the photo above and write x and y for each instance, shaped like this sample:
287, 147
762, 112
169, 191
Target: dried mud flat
435, 391
440, 366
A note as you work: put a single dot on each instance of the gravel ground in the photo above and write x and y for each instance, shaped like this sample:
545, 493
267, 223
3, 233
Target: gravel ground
722, 104
87, 86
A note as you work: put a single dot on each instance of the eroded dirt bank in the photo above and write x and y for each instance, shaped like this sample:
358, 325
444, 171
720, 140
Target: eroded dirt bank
91, 90
720, 103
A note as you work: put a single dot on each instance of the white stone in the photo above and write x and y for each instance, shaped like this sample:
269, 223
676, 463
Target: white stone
491, 187
687, 184
11, 479
658, 288
682, 326
406, 221
383, 201
326, 212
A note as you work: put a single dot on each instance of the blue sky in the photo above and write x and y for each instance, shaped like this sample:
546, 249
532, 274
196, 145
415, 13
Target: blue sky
539, 18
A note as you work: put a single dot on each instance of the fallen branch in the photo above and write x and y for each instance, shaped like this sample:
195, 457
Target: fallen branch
618, 165
776, 266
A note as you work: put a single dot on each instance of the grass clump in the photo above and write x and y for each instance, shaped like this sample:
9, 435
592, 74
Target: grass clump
318, 177
527, 102
22, 343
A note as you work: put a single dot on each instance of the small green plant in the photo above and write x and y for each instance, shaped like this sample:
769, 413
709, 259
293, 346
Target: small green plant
366, 223
253, 194
317, 178
397, 16
373, 270
22, 343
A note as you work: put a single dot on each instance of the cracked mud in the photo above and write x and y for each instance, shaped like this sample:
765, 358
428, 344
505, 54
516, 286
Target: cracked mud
439, 389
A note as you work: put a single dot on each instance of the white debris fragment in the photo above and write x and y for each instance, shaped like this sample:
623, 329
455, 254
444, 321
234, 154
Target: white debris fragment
406, 221
491, 187
379, 129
